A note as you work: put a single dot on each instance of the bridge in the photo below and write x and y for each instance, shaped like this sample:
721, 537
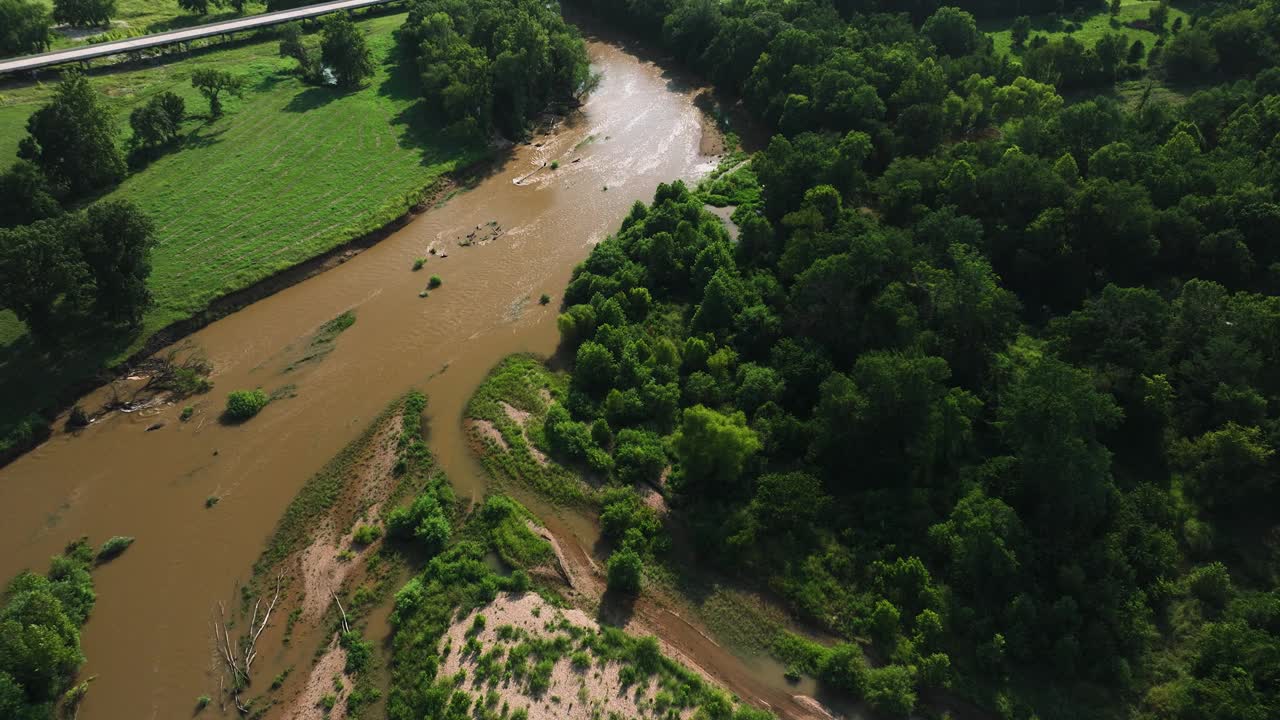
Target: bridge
116, 47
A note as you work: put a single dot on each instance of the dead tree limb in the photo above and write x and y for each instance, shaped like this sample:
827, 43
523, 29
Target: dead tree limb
345, 628
251, 652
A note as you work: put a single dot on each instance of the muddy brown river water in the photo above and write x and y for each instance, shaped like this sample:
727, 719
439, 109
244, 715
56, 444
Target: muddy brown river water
149, 641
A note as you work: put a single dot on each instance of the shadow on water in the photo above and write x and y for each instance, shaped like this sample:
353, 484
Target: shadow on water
36, 379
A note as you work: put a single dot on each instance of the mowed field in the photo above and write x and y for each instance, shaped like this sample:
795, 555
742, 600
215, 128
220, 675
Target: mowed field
142, 17
1091, 28
288, 172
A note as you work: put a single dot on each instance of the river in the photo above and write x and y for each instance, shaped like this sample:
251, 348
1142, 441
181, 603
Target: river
149, 641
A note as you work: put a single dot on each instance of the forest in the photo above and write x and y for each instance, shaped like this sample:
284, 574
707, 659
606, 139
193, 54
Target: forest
985, 385
494, 65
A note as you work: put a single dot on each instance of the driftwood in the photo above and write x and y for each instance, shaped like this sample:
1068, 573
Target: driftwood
345, 628
240, 668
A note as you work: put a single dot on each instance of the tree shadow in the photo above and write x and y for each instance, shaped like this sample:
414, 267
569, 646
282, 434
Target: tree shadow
37, 380
616, 608
312, 98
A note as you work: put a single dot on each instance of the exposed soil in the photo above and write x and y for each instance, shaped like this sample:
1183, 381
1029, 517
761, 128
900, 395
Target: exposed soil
307, 705
486, 429
320, 564
573, 693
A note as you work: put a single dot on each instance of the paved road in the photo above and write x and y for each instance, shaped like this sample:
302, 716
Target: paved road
31, 62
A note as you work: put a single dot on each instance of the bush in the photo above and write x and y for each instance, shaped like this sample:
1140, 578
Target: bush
417, 264
891, 690
359, 652
78, 418
113, 547
202, 702
624, 571
545, 299
366, 534
186, 413
434, 282
244, 404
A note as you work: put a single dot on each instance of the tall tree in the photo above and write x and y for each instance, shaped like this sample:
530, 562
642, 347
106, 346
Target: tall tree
73, 139
116, 242
344, 50
84, 13
24, 27
37, 268
212, 83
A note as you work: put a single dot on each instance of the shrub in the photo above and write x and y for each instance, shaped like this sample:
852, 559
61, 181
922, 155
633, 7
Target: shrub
78, 418
211, 501
624, 571
359, 652
545, 299
434, 282
891, 690
186, 413
417, 264
113, 547
366, 534
555, 165
202, 702
244, 404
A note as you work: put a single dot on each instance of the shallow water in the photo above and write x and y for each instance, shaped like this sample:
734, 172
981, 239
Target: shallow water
149, 641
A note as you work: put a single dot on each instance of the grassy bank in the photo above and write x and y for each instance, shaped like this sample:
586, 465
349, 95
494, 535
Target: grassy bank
143, 17
289, 172
505, 418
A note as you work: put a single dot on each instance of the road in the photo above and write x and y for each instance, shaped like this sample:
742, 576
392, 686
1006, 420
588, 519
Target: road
88, 52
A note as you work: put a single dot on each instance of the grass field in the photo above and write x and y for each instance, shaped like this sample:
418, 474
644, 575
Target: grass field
141, 17
1091, 28
288, 172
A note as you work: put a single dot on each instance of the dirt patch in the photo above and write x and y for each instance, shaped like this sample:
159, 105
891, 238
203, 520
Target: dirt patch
308, 705
322, 564
486, 429
572, 693
712, 140
518, 416
651, 497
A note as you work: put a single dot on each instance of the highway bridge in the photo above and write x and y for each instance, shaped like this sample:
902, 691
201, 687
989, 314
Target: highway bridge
116, 47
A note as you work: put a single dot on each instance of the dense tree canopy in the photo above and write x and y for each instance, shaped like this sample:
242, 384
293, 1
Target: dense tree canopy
987, 377
24, 27
73, 139
494, 64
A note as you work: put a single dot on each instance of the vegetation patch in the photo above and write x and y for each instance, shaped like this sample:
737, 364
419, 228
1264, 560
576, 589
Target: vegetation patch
524, 384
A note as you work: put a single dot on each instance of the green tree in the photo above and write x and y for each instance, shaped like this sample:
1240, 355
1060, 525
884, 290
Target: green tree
84, 13
1051, 416
1020, 30
25, 195
37, 268
24, 27
1159, 16
116, 242
952, 30
157, 122
212, 83
713, 449
73, 139
1228, 468
624, 568
292, 44
343, 48
891, 689
1114, 7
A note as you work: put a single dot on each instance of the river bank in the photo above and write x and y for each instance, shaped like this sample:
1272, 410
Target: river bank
149, 640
